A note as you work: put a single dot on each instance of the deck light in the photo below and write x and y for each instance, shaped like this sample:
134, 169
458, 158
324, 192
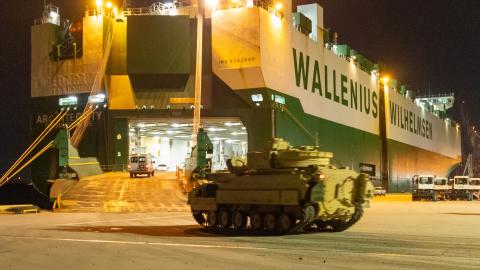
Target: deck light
96, 99
109, 5
278, 6
320, 177
68, 101
257, 97
99, 3
53, 15
385, 80
231, 124
212, 3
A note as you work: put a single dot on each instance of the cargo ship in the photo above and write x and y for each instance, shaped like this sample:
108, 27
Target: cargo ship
268, 69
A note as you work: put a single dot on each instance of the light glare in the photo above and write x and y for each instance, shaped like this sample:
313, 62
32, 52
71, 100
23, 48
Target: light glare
212, 3
385, 80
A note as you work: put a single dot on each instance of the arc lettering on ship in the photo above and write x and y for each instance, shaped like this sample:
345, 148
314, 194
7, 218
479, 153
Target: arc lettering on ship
45, 119
344, 90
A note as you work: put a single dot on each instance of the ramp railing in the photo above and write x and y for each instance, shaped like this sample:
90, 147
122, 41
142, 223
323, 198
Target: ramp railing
96, 86
17, 166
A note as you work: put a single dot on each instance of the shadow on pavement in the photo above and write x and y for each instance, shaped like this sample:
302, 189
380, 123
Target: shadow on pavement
170, 231
463, 214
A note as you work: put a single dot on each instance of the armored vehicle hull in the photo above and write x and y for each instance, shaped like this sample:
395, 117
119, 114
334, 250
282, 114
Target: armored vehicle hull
315, 195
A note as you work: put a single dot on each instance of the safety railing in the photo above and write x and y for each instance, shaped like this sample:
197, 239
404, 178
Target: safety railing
158, 8
170, 8
227, 4
26, 158
99, 12
439, 95
51, 15
333, 48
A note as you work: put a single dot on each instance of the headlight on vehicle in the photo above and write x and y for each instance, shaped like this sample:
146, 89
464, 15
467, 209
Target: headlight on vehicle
319, 177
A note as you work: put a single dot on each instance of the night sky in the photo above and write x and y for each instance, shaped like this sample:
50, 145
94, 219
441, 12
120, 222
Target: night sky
430, 45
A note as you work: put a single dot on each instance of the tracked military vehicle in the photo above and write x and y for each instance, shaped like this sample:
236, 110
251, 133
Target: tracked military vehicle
282, 189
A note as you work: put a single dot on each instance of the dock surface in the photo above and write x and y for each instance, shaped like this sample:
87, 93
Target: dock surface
391, 235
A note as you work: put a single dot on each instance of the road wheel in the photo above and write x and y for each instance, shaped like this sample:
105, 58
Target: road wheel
238, 220
284, 223
131, 175
269, 221
199, 217
321, 225
338, 225
256, 221
212, 218
224, 218
153, 173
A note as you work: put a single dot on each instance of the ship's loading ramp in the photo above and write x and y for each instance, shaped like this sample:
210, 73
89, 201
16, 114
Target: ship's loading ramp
117, 192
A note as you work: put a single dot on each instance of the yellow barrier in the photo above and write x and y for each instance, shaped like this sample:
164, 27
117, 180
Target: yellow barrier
20, 209
57, 204
394, 197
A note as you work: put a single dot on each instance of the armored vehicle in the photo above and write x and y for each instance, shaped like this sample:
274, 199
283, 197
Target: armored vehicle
282, 189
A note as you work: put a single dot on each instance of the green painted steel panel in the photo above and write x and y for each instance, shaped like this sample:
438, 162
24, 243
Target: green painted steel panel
61, 143
121, 140
117, 64
158, 45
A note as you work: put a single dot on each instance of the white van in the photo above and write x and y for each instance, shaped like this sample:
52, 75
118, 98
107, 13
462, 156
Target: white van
140, 164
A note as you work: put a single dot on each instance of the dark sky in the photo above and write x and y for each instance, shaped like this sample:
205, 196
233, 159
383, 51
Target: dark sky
431, 45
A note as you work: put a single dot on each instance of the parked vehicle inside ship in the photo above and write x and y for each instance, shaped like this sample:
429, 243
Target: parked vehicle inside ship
140, 164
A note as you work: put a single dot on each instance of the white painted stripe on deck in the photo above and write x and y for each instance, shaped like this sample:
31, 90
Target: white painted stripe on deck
100, 241
120, 197
112, 220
